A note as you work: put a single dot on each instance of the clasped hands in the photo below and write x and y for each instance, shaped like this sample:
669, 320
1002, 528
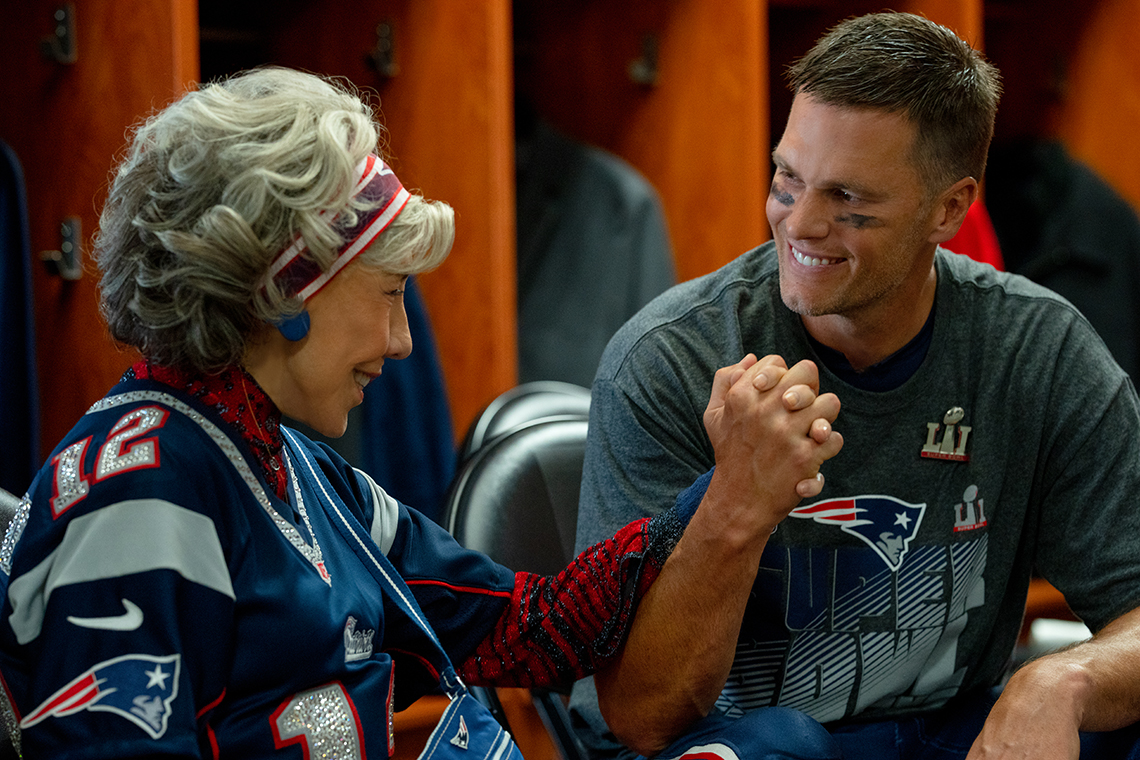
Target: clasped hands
771, 430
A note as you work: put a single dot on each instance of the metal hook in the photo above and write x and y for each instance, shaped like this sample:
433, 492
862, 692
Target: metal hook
60, 46
66, 262
382, 59
643, 70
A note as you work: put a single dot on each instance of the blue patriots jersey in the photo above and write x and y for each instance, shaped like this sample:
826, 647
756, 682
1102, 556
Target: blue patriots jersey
160, 599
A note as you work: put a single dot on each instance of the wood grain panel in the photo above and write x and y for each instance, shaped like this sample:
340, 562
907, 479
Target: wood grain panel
66, 123
451, 120
1099, 118
962, 16
448, 111
709, 116
699, 134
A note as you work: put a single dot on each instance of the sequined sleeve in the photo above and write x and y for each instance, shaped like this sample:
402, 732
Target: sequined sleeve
559, 628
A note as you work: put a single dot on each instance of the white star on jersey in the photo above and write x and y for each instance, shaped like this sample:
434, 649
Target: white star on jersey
157, 677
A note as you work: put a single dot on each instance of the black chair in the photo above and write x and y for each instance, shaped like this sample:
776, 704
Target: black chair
516, 500
521, 404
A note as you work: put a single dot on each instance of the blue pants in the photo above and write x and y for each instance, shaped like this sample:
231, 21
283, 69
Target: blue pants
780, 733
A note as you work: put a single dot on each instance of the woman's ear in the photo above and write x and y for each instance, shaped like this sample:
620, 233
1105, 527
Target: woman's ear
951, 208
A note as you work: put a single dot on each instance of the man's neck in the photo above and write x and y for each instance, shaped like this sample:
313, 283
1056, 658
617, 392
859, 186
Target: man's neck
869, 335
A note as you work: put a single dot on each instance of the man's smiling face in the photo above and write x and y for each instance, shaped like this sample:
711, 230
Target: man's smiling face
849, 211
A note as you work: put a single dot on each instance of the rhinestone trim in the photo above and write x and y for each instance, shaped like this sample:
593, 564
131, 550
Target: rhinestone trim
12, 535
311, 553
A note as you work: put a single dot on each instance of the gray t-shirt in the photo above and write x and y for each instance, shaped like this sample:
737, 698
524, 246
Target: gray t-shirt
1014, 446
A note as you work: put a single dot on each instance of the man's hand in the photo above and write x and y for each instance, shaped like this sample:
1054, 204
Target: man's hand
1036, 718
1091, 686
771, 431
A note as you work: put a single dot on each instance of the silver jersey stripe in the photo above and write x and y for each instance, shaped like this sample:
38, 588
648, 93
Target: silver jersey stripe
310, 553
228, 449
117, 540
385, 515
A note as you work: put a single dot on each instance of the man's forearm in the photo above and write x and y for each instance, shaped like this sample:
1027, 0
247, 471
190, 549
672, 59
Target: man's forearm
771, 432
1092, 686
1102, 675
682, 642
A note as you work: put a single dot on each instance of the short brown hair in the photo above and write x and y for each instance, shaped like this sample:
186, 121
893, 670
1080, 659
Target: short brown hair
903, 63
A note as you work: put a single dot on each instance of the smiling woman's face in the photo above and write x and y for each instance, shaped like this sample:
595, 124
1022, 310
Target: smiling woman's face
356, 322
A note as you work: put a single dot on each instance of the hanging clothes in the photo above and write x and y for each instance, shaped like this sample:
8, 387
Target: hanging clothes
19, 394
1063, 226
593, 248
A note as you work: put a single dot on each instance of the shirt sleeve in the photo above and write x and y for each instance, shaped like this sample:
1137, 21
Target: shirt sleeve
120, 617
646, 444
1085, 534
557, 629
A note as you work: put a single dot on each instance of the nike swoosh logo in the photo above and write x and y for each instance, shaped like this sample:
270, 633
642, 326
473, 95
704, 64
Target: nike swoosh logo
128, 621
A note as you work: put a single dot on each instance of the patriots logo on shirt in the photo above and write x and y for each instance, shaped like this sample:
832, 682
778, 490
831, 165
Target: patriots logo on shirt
138, 687
885, 523
462, 737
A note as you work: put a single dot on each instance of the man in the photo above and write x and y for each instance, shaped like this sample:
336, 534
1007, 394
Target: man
987, 433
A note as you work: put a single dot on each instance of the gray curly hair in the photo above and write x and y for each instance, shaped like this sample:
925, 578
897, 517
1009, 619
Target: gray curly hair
213, 187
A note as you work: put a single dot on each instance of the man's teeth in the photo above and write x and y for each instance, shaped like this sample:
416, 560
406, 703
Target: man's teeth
362, 379
810, 261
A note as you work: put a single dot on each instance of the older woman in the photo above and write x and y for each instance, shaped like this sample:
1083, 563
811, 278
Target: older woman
186, 577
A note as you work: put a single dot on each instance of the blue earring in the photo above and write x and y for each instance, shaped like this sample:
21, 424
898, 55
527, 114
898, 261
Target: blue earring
296, 327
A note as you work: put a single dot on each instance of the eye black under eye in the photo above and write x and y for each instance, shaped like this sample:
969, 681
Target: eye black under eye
857, 221
782, 196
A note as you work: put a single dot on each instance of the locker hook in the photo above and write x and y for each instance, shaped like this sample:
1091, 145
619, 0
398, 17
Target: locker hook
60, 46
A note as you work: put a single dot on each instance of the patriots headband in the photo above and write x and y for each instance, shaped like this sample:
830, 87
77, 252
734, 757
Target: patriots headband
299, 275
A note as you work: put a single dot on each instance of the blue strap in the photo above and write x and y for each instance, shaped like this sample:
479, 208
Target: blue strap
467, 730
377, 564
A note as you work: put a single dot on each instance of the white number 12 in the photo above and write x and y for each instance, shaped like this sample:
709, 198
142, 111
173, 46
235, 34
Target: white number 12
120, 453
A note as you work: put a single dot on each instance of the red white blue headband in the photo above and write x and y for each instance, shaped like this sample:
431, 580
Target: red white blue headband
299, 275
